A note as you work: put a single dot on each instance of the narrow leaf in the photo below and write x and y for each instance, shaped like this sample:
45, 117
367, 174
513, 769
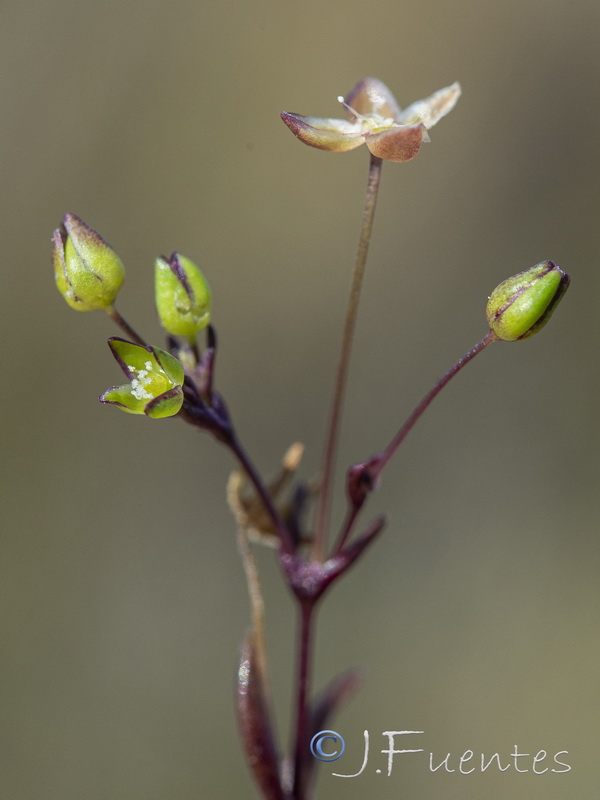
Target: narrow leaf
328, 702
334, 695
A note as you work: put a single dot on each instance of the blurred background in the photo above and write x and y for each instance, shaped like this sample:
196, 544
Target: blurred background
475, 617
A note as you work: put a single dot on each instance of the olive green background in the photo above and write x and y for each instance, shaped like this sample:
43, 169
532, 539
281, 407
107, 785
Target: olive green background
476, 616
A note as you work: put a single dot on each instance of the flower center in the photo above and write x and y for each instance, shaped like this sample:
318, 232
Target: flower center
149, 382
372, 123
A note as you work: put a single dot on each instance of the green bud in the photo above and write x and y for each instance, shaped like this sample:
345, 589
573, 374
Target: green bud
155, 380
87, 271
523, 304
183, 296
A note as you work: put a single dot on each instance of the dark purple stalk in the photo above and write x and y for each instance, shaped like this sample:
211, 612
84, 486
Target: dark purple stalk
125, 326
362, 478
195, 351
431, 395
347, 526
303, 713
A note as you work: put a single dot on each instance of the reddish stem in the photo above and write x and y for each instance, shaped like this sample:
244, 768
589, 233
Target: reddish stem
303, 715
335, 416
426, 401
125, 326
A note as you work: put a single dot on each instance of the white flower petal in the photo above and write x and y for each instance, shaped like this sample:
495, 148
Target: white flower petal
433, 108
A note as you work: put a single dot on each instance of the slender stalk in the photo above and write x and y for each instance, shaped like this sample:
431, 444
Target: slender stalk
301, 752
195, 351
257, 607
124, 325
335, 415
431, 395
285, 536
346, 529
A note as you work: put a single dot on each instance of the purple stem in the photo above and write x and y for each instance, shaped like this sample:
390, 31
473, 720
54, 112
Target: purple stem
346, 530
426, 401
303, 715
125, 326
362, 478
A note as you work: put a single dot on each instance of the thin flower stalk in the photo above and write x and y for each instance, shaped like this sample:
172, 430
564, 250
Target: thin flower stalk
125, 326
335, 414
429, 397
517, 309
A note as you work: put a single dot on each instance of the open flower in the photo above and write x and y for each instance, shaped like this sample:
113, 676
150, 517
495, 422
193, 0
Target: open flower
155, 380
375, 119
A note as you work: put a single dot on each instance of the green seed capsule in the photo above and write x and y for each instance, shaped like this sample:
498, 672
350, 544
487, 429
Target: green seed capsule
520, 306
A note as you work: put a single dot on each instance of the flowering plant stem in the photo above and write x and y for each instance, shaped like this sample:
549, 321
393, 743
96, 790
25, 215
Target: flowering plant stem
335, 415
308, 578
89, 275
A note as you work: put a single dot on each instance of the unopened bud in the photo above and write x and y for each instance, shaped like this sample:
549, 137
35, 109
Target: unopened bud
183, 296
87, 271
523, 304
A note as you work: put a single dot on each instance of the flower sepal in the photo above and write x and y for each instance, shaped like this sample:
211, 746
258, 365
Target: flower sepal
335, 135
155, 377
